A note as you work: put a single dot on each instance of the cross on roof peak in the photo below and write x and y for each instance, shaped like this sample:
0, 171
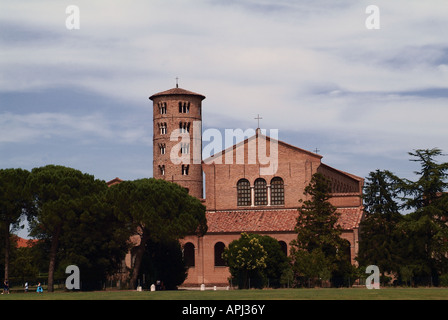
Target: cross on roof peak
258, 119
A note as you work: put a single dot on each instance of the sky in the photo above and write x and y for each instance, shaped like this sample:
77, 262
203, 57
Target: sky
78, 97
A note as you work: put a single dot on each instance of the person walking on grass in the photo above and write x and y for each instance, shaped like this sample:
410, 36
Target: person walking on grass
5, 286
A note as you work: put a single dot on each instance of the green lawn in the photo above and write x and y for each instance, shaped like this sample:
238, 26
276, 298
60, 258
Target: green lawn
267, 294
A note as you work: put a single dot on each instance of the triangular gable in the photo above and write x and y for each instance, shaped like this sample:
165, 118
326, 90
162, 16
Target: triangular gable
217, 158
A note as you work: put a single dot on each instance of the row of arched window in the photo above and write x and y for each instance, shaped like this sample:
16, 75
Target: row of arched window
185, 169
184, 127
183, 107
189, 256
260, 194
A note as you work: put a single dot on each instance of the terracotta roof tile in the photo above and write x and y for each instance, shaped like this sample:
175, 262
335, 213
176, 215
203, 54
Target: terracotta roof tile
114, 181
279, 220
24, 243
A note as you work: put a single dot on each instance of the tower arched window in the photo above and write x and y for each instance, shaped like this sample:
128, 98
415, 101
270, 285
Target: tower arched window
219, 249
184, 127
184, 107
162, 107
261, 192
162, 169
185, 169
185, 148
277, 191
243, 192
189, 254
162, 148
162, 128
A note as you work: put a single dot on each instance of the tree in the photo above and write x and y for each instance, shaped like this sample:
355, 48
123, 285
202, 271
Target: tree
310, 267
156, 210
97, 244
277, 262
164, 261
23, 265
246, 258
63, 197
379, 236
425, 228
258, 258
318, 232
14, 203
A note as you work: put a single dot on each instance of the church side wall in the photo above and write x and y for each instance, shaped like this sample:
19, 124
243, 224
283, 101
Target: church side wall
340, 183
342, 200
205, 270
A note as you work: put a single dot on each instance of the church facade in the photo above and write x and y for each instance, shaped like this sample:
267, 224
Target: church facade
243, 192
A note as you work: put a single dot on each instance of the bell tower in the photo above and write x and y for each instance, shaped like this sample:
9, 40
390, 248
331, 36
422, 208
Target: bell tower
177, 138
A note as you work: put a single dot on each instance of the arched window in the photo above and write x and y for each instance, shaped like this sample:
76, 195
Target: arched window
347, 250
219, 249
243, 192
184, 107
162, 128
189, 254
261, 196
162, 107
284, 247
184, 127
277, 191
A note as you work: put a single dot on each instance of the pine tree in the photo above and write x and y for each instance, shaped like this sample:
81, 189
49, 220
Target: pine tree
156, 210
379, 236
14, 203
426, 228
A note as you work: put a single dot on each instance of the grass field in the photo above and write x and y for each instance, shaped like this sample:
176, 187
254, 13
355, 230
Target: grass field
267, 294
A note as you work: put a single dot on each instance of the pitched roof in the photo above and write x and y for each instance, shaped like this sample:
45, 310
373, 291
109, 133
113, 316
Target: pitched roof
275, 220
176, 91
114, 181
350, 175
258, 134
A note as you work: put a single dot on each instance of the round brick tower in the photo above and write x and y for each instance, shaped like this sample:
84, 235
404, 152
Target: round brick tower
177, 138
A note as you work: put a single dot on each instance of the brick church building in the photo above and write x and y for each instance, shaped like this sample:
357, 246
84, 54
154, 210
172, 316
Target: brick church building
241, 194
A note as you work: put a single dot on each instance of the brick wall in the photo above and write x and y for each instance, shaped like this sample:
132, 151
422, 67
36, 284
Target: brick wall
295, 167
166, 114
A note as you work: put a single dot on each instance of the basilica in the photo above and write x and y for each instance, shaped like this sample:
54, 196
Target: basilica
242, 192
